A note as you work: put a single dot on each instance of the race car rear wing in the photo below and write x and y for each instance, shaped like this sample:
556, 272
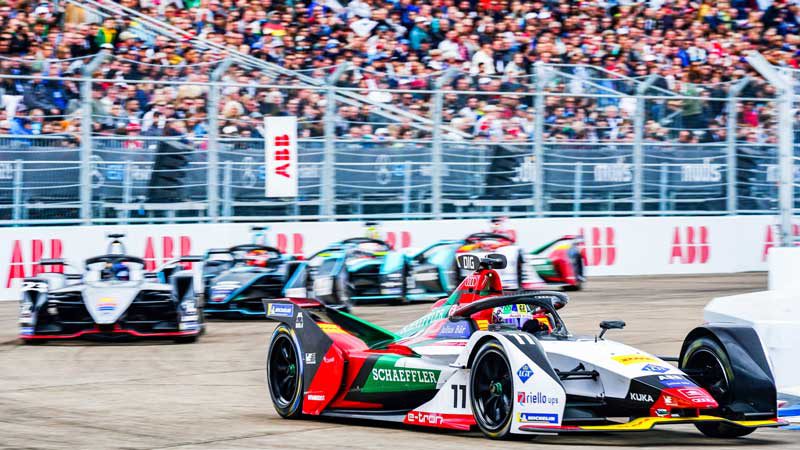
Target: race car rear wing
302, 313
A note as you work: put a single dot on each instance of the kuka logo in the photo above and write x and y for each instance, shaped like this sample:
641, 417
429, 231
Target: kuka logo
690, 245
600, 248
773, 237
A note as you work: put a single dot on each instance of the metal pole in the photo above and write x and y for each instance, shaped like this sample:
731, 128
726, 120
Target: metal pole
213, 139
127, 190
17, 211
227, 190
638, 145
407, 188
436, 148
730, 140
578, 195
785, 88
86, 136
538, 139
786, 162
327, 207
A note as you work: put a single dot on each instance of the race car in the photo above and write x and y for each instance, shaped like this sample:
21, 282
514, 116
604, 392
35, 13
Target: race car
236, 279
557, 264
114, 298
367, 269
508, 366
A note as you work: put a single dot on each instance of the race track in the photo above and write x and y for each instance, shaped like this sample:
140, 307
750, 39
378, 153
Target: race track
212, 395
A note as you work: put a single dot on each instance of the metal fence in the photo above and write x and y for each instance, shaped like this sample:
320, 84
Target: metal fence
515, 147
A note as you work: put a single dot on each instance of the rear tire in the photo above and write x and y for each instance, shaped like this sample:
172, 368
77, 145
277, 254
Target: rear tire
707, 355
492, 388
403, 299
285, 374
577, 266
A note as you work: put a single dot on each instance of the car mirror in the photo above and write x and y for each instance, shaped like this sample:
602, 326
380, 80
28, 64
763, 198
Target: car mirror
496, 261
610, 325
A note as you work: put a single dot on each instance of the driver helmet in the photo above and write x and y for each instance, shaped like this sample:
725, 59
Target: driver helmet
522, 317
500, 226
121, 271
257, 258
372, 230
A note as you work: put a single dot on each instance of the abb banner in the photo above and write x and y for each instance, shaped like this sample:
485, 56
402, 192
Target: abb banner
614, 246
281, 156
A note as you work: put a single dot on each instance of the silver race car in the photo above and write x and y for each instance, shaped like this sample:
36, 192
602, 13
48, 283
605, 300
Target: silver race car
113, 298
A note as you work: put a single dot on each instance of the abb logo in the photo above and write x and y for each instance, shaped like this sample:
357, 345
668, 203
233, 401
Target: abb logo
282, 243
167, 250
283, 154
600, 247
17, 266
690, 245
773, 237
401, 239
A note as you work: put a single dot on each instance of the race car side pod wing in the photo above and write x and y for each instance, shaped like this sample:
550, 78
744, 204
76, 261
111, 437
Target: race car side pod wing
321, 334
753, 394
314, 312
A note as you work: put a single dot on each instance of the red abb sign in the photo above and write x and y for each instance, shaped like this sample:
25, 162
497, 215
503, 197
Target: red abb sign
690, 245
281, 156
773, 237
167, 250
16, 268
600, 248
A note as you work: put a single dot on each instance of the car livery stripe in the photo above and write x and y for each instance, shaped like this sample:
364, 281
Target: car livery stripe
647, 423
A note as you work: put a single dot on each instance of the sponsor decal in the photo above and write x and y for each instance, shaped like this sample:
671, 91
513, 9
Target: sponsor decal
424, 418
535, 398
298, 323
483, 324
405, 375
600, 247
311, 358
655, 368
633, 359
538, 418
330, 328
454, 330
707, 172
690, 245
280, 310
697, 395
107, 305
525, 373
26, 331
471, 281
773, 237
188, 326
618, 172
638, 397
675, 381
192, 318
426, 276
221, 290
315, 398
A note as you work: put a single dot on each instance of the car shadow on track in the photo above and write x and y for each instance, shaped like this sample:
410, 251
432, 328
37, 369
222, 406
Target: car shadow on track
649, 439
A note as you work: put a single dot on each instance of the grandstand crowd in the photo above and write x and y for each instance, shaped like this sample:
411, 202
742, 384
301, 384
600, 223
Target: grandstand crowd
695, 48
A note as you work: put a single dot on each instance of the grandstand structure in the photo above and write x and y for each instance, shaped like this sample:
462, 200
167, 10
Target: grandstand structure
84, 134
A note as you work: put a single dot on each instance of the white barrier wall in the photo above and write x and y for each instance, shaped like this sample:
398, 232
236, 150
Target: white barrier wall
614, 246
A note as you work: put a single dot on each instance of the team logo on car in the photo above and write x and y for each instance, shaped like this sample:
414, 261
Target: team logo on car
638, 397
524, 373
654, 368
280, 310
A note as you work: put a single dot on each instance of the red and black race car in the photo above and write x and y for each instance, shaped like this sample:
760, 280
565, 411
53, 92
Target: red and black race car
507, 365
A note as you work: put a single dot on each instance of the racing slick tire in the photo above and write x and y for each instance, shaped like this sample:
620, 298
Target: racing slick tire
706, 355
492, 388
341, 292
186, 339
285, 374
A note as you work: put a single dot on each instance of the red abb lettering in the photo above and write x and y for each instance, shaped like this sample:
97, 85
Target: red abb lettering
282, 140
695, 248
282, 170
283, 155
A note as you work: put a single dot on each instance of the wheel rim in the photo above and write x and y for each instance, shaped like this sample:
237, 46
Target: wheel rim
713, 377
492, 390
283, 373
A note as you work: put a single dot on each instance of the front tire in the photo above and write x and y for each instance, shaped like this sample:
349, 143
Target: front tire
492, 387
706, 356
285, 374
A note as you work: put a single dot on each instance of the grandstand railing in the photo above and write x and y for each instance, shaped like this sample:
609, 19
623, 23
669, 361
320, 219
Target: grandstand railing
637, 159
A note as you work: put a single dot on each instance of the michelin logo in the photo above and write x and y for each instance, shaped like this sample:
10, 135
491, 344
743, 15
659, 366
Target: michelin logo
280, 310
538, 418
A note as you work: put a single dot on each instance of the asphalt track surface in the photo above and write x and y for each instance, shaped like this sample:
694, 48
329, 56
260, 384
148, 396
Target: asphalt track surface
212, 395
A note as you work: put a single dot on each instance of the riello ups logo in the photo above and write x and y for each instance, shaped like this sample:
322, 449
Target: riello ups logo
690, 245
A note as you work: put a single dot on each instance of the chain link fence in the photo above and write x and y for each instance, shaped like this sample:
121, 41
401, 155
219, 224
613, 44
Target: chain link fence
569, 141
